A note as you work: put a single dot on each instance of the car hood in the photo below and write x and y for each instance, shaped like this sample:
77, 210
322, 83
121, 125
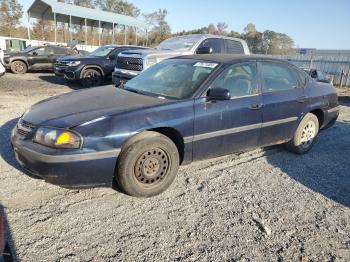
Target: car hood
14, 54
75, 108
155, 53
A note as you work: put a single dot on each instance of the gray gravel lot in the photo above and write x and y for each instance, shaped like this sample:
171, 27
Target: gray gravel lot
262, 205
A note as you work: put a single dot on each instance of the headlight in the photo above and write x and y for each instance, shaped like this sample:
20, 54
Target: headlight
73, 63
57, 138
150, 62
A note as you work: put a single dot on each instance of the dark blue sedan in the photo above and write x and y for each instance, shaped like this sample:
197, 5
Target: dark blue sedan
178, 111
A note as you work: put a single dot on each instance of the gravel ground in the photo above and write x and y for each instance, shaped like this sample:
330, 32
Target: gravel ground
262, 205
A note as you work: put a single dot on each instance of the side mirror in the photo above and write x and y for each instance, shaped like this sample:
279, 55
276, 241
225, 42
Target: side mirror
112, 57
35, 53
218, 94
204, 50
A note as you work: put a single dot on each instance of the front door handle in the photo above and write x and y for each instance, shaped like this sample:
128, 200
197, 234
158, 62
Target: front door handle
302, 99
256, 106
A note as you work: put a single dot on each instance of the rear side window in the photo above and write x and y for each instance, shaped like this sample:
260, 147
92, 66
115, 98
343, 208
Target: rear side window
277, 77
233, 47
214, 43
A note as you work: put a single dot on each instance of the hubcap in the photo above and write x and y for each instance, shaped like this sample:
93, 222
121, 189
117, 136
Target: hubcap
152, 166
18, 67
308, 134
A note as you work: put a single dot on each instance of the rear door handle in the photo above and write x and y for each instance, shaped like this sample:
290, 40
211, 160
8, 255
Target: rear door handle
256, 106
302, 99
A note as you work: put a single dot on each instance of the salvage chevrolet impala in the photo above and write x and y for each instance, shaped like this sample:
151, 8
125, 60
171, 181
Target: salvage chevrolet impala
178, 111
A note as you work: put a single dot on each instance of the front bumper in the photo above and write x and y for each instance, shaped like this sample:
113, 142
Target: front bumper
68, 73
66, 168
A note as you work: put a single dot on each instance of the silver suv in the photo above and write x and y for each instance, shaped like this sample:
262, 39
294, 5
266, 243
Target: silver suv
130, 63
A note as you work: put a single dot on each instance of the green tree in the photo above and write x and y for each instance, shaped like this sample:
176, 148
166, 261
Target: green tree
221, 28
158, 27
10, 14
119, 7
212, 29
276, 43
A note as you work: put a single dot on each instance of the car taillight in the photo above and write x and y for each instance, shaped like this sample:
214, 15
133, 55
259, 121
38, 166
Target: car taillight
2, 236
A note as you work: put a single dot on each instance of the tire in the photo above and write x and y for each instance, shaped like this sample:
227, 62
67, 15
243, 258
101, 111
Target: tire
19, 67
90, 78
305, 135
148, 166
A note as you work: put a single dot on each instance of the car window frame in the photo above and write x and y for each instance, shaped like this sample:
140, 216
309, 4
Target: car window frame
225, 40
260, 64
222, 46
35, 51
203, 92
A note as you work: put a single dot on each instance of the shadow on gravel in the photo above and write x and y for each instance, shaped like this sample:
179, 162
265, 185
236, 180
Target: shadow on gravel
74, 85
52, 79
344, 100
324, 169
10, 248
6, 151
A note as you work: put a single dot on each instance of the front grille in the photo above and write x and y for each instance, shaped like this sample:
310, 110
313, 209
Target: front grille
129, 63
24, 128
61, 63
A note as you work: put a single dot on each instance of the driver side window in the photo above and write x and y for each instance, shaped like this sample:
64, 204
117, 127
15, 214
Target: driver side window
239, 79
39, 51
214, 43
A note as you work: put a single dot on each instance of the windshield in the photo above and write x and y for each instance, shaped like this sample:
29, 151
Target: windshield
185, 42
174, 78
103, 51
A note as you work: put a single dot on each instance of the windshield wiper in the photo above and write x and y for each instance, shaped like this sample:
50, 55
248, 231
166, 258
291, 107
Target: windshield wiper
131, 90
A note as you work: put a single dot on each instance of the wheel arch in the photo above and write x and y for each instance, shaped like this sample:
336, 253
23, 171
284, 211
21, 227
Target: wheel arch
170, 132
320, 116
91, 67
19, 59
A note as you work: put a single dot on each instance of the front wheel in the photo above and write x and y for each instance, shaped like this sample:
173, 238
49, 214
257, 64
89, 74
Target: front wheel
148, 166
90, 78
305, 135
18, 67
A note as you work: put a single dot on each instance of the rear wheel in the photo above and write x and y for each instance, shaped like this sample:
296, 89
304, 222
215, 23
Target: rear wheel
148, 166
305, 135
91, 77
18, 67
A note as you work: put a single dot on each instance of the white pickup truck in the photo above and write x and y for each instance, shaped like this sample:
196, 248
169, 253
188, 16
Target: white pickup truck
130, 63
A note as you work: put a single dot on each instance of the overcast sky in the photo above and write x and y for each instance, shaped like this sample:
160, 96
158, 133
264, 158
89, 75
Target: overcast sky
322, 24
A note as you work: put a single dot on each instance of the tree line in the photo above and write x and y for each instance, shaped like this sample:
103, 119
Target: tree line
11, 12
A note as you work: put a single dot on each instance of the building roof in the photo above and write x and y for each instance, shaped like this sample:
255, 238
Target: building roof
45, 9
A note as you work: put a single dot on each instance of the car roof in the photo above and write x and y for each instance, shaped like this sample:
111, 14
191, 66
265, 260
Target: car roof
226, 58
204, 36
118, 46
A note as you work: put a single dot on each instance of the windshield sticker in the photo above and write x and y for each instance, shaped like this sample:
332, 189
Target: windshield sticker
208, 65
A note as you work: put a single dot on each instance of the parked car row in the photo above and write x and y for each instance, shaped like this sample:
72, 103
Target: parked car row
123, 62
36, 57
90, 70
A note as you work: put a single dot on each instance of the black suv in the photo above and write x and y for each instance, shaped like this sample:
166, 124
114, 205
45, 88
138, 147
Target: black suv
36, 57
92, 69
